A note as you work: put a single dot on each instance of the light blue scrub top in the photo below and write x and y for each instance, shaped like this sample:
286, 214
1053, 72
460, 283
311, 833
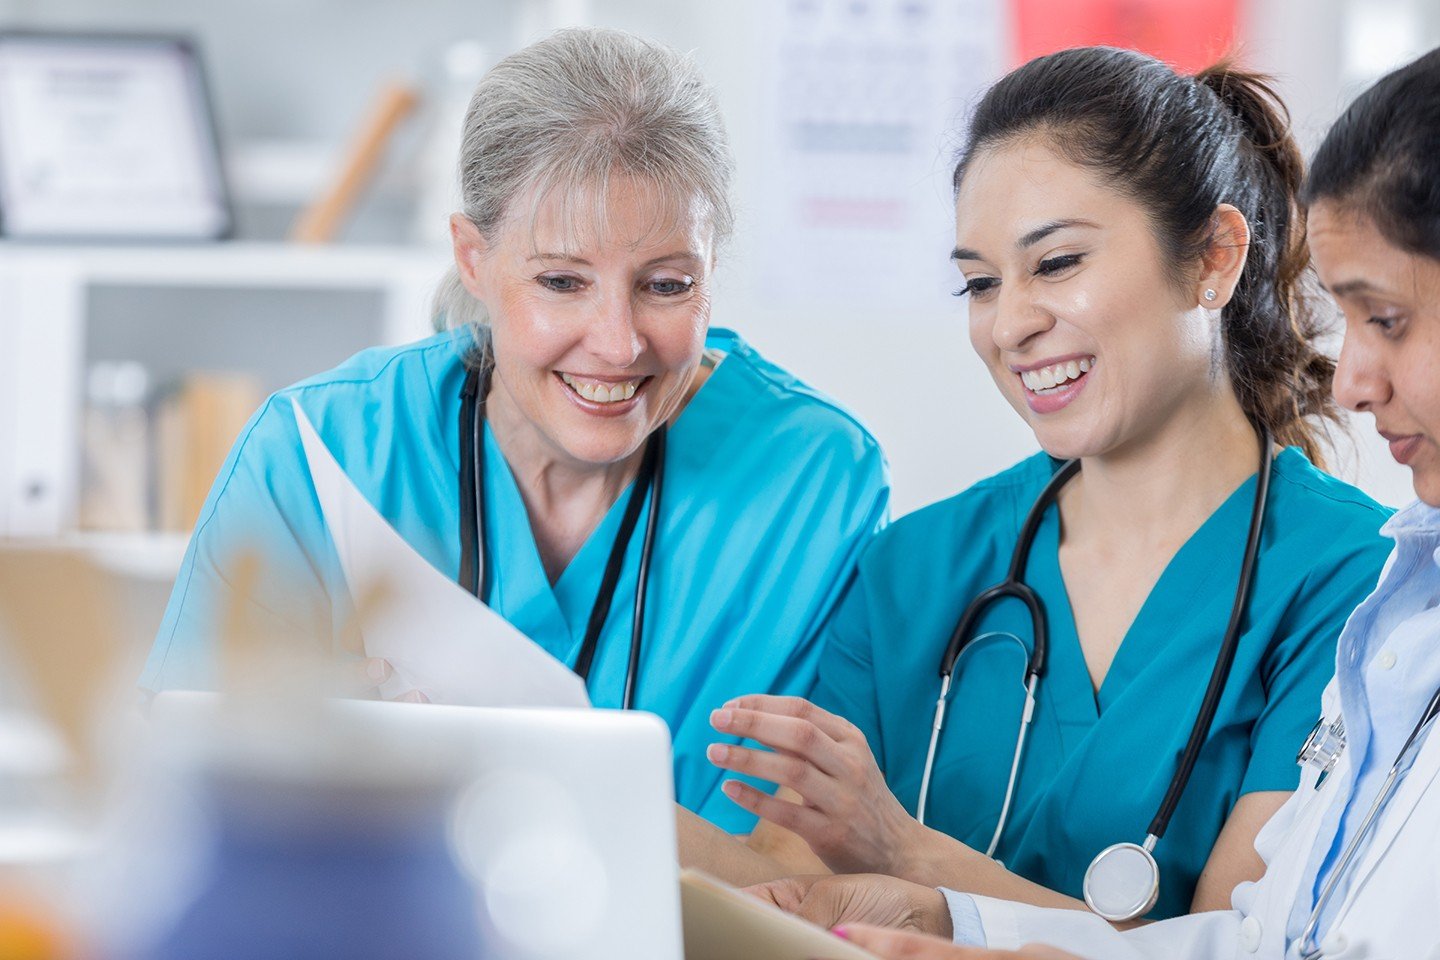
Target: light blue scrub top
1098, 763
771, 492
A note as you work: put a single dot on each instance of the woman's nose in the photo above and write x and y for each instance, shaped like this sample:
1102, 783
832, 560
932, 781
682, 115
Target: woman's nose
1360, 381
613, 335
1018, 318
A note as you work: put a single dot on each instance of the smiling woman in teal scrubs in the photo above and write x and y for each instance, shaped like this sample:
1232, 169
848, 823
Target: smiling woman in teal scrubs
594, 175
1143, 316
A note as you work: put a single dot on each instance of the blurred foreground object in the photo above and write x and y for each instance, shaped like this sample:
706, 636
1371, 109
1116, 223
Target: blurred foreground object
28, 934
370, 829
322, 220
357, 868
58, 663
722, 923
57, 612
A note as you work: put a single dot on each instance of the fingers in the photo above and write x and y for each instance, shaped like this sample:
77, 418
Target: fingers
794, 772
903, 945
795, 817
1035, 951
837, 728
773, 893
787, 893
363, 677
788, 735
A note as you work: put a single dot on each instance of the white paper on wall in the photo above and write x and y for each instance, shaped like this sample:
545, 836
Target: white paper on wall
866, 98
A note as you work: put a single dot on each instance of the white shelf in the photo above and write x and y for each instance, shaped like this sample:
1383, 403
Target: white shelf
235, 264
139, 555
144, 556
45, 293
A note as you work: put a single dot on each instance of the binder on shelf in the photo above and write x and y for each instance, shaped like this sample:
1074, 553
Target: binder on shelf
196, 424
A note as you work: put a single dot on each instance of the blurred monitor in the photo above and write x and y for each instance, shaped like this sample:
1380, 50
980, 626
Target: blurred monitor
568, 826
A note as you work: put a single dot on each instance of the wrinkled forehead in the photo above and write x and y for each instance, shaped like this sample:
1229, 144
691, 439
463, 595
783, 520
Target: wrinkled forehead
619, 212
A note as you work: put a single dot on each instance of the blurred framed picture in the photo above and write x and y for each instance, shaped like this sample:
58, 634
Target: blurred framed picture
107, 137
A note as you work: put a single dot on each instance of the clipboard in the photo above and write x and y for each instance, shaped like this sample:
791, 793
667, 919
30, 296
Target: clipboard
722, 923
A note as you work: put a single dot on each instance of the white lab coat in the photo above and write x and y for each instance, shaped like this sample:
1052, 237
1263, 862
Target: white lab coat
1391, 910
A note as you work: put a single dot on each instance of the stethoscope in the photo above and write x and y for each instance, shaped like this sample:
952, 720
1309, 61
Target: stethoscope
474, 561
1323, 749
1123, 881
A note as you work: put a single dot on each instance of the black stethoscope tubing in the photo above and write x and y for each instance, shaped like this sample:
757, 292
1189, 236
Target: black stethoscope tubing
474, 561
1226, 658
1014, 587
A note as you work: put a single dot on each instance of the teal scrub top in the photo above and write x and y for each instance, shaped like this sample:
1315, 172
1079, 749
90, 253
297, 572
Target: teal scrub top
1097, 763
771, 492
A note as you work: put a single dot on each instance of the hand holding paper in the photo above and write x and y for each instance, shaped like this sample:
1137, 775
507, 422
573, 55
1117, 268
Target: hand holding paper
439, 639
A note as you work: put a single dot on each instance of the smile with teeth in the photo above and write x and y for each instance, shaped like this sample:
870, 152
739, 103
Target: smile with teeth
597, 392
1049, 379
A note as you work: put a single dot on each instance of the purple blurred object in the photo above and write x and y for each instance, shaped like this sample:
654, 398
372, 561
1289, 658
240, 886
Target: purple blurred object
358, 870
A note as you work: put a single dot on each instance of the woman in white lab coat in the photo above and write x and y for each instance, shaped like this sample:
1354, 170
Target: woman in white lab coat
1353, 857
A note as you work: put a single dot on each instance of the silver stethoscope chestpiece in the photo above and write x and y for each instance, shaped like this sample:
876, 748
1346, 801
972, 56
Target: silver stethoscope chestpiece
1323, 747
1123, 881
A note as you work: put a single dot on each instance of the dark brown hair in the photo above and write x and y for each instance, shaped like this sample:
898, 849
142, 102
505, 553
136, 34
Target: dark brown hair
1382, 157
1181, 146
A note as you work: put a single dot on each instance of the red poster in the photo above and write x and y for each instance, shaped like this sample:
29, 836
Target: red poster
1190, 34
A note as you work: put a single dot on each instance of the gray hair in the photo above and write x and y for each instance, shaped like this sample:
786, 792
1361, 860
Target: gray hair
571, 112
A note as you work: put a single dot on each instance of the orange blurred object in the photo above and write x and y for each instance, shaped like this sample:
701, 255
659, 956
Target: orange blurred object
26, 934
1188, 34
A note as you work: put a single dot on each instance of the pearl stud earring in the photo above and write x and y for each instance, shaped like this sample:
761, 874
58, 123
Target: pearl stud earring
1210, 295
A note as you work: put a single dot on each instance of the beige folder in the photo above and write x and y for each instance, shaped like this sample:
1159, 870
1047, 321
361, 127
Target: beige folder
722, 923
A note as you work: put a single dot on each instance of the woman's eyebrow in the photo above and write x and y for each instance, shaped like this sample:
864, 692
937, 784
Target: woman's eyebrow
1350, 287
1040, 233
677, 255
565, 257
1030, 239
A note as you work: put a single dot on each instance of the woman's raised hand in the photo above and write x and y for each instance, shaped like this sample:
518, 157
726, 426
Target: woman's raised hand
847, 813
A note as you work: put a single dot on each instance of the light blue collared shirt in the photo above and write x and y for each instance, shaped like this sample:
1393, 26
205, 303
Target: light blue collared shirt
1387, 669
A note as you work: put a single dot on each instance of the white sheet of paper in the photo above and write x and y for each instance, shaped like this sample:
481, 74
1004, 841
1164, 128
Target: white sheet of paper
439, 639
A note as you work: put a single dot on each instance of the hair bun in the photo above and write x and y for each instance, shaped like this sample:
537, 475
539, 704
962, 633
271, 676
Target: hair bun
1252, 98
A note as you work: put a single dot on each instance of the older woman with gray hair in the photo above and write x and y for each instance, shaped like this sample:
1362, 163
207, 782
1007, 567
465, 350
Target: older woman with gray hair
646, 497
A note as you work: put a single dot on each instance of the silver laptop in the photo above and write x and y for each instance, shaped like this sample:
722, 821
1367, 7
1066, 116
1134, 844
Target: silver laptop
568, 827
